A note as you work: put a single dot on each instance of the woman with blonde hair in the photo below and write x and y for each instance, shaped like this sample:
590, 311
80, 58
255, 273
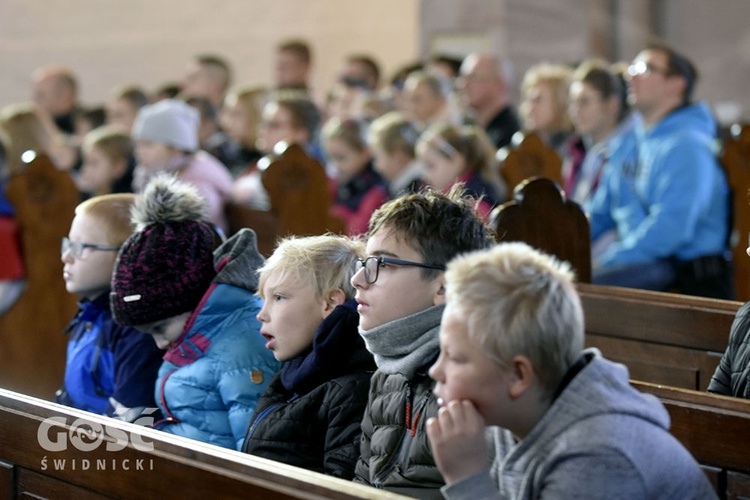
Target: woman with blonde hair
544, 106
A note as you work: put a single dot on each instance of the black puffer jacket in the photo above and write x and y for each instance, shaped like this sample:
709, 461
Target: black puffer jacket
310, 414
732, 376
400, 458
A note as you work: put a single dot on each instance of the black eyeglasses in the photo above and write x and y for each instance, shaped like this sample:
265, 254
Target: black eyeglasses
373, 264
76, 248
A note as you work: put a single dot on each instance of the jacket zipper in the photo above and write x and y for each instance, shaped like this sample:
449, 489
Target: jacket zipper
411, 430
169, 418
263, 414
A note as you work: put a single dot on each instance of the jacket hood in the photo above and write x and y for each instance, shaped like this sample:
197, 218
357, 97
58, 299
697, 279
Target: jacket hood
237, 261
694, 117
601, 387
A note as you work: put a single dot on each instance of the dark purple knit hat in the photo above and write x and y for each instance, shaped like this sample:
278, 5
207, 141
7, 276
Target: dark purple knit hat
166, 266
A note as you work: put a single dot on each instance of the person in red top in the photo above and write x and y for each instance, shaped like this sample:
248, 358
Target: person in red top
360, 190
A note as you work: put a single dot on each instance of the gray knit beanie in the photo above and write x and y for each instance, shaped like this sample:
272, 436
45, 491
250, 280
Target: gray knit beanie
169, 121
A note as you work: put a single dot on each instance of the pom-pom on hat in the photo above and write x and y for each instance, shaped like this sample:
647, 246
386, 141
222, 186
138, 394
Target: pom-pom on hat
166, 266
170, 121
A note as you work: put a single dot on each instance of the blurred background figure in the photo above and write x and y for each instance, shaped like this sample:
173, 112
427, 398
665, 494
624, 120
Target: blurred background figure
241, 121
601, 119
208, 76
392, 139
453, 154
293, 65
123, 105
108, 162
544, 106
484, 86
210, 135
427, 100
27, 128
360, 190
55, 91
361, 70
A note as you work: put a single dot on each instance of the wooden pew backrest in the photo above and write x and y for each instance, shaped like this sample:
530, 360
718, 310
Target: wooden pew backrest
541, 216
715, 429
298, 190
528, 156
32, 357
663, 338
735, 159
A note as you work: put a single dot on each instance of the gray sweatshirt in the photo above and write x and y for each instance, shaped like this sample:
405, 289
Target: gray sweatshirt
600, 439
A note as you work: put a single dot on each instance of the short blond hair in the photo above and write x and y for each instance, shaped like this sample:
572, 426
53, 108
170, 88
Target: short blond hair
518, 300
325, 262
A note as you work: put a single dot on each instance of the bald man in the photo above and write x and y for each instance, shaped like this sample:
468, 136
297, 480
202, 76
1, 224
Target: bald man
483, 84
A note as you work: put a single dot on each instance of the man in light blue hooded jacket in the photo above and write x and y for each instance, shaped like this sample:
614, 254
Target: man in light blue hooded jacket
665, 193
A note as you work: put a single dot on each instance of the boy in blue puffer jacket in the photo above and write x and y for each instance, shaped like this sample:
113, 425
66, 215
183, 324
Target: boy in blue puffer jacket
200, 305
110, 369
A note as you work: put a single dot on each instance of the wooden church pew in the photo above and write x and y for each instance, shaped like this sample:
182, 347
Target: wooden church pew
528, 156
715, 429
663, 338
735, 158
32, 356
85, 456
298, 190
540, 215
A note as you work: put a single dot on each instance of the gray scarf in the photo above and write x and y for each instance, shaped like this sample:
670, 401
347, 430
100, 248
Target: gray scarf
406, 344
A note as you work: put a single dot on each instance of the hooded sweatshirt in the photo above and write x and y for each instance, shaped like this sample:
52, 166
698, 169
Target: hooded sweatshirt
665, 194
600, 438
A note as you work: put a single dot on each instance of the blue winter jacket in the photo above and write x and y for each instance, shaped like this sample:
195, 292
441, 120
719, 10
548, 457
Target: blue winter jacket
214, 374
664, 192
110, 369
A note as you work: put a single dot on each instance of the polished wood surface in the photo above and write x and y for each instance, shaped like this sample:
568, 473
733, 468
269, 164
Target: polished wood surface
539, 214
715, 429
140, 462
735, 158
297, 186
664, 338
528, 156
32, 344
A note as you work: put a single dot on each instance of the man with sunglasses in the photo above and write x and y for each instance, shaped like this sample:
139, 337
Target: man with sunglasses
400, 297
666, 196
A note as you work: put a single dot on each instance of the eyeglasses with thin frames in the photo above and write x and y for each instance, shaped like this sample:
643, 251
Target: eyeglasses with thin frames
76, 248
642, 68
373, 264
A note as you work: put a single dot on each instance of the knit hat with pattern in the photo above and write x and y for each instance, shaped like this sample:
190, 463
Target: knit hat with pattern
166, 266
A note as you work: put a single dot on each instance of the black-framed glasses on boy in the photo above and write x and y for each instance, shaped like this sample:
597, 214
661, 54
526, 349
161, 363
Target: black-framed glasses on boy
76, 248
373, 264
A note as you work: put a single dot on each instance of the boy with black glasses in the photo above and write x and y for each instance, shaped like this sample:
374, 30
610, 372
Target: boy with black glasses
400, 297
110, 369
